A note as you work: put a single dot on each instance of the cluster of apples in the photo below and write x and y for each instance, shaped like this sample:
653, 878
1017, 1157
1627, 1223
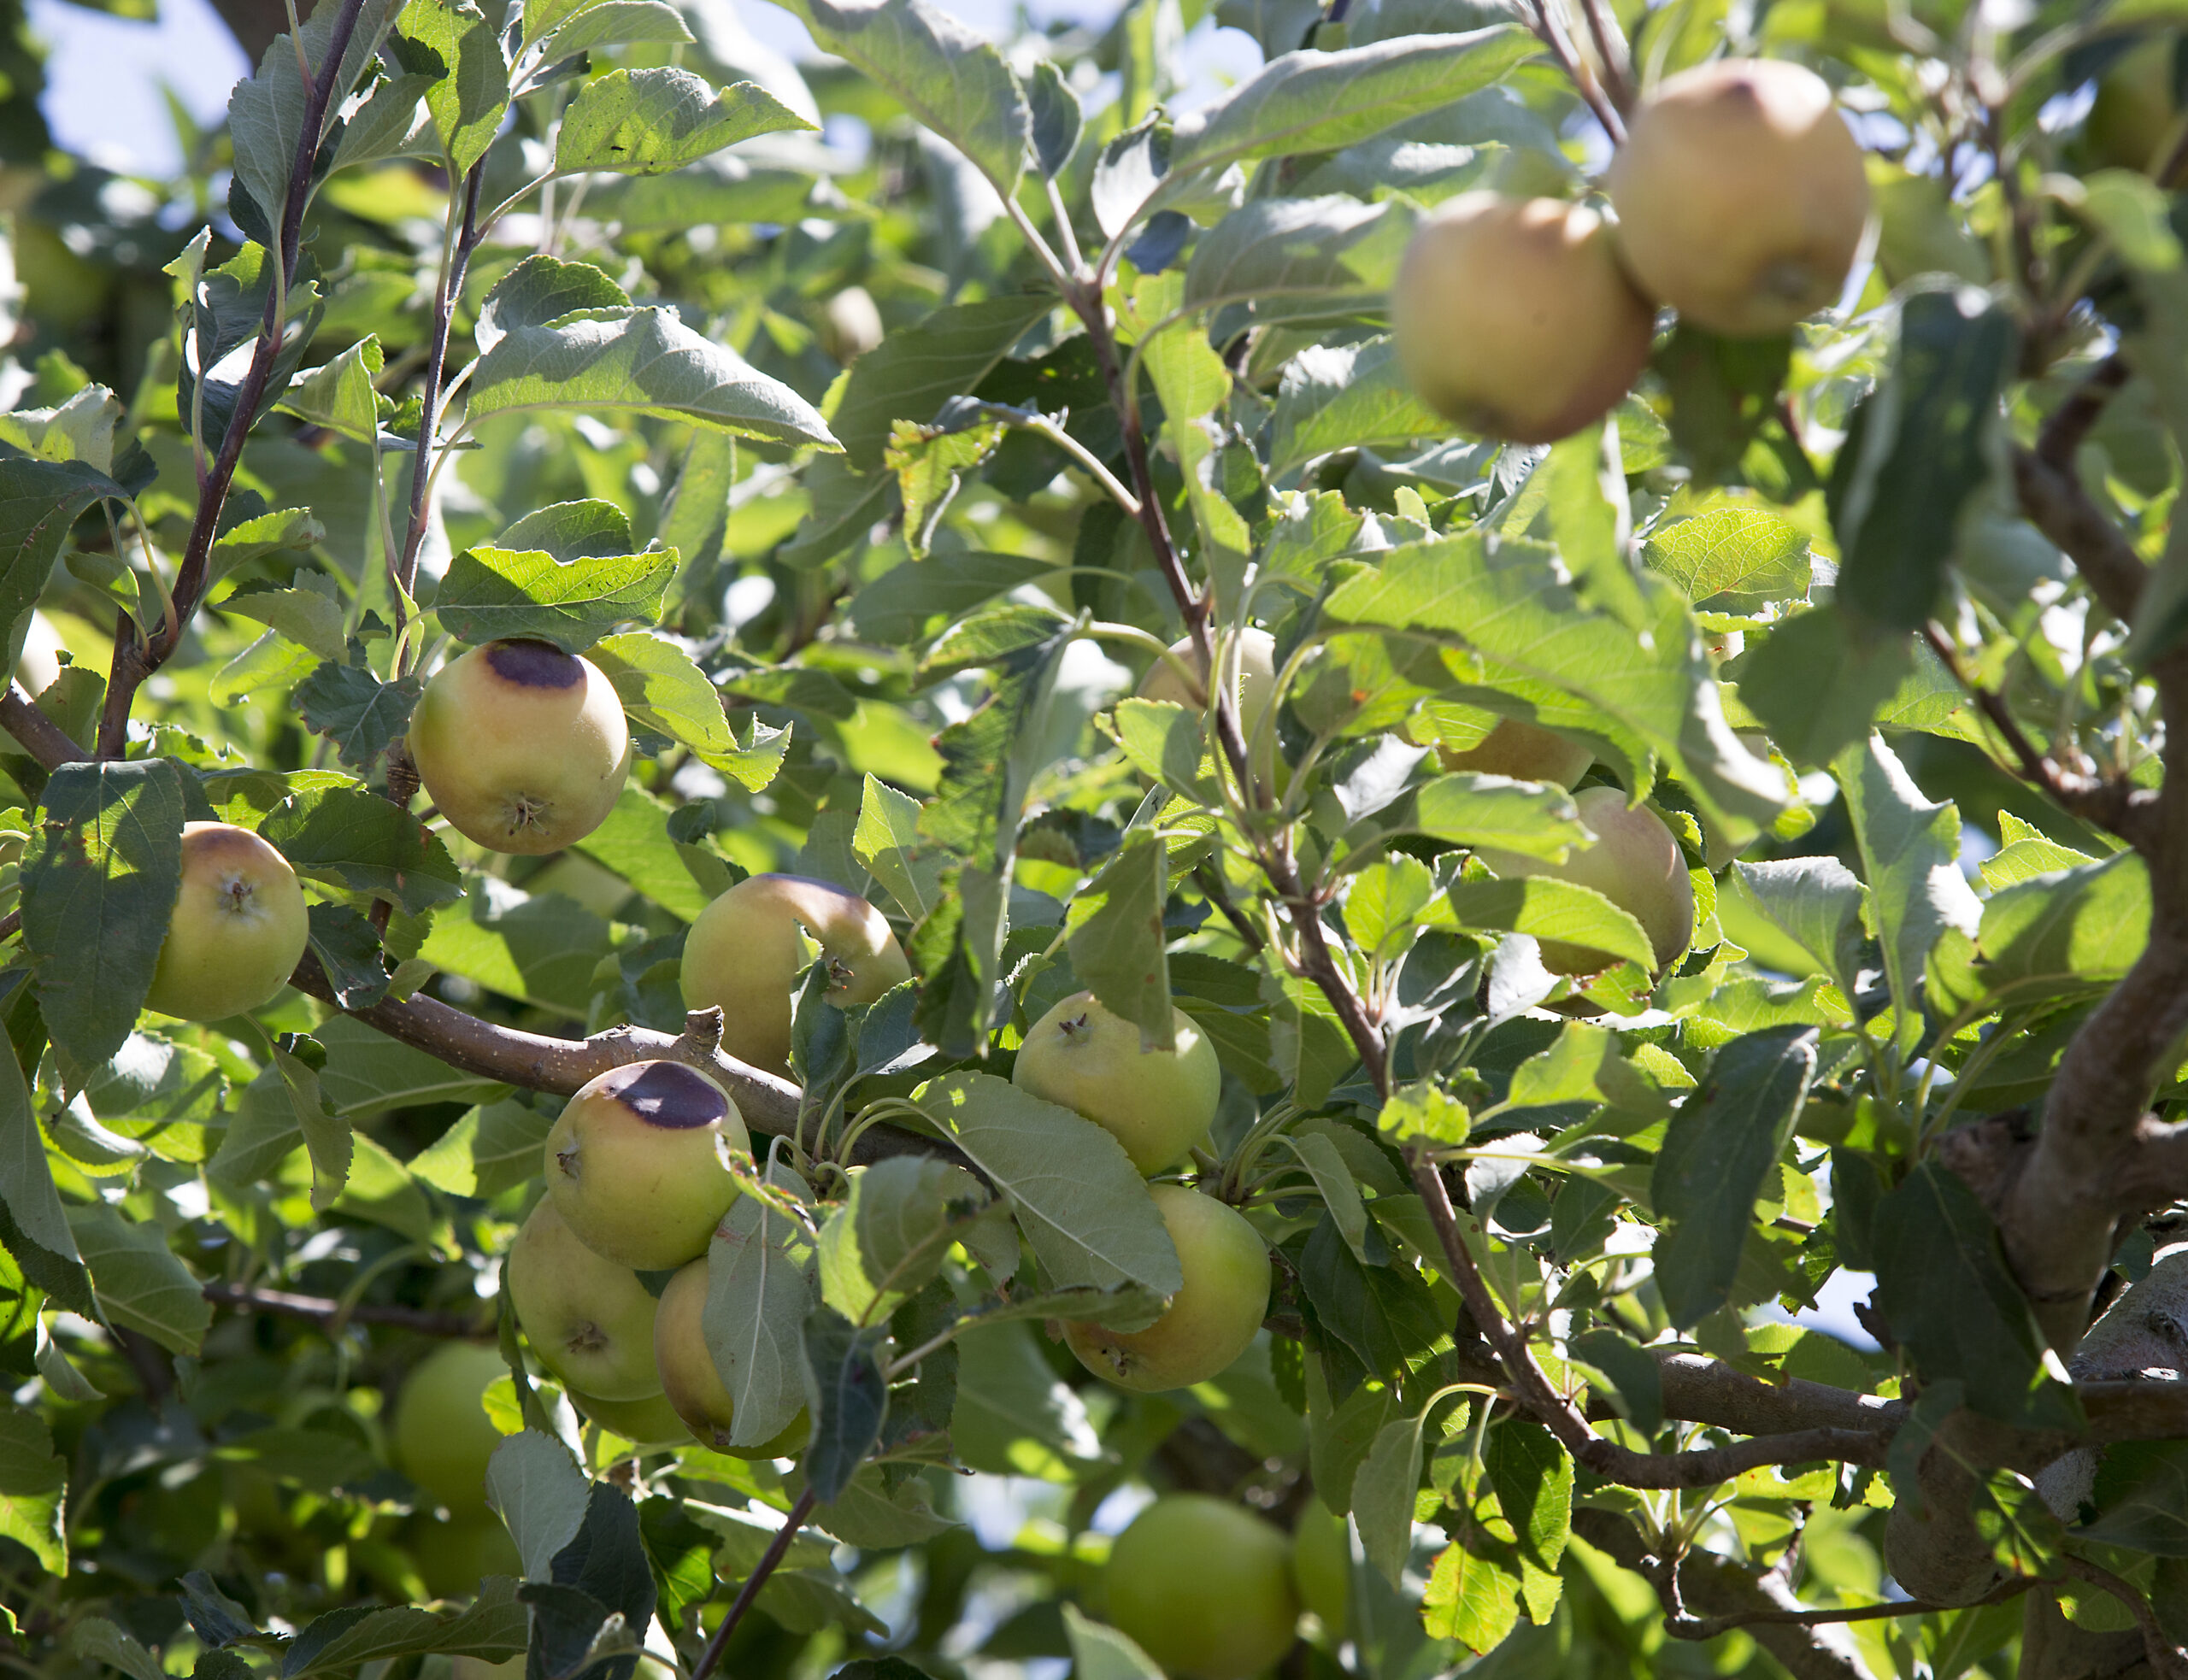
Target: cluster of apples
1740, 197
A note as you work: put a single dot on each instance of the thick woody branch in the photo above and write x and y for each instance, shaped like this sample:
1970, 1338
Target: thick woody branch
36, 733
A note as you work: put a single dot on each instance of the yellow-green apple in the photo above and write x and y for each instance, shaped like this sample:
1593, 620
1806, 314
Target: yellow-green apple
747, 949
850, 324
442, 1435
1526, 752
454, 1557
1204, 1587
237, 930
590, 1320
651, 1422
1514, 320
1157, 1103
636, 1166
1211, 1319
1321, 1564
1741, 195
691, 1379
523, 747
1634, 862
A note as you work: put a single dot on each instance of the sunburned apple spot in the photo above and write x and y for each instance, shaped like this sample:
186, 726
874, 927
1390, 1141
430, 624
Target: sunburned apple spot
535, 665
667, 1094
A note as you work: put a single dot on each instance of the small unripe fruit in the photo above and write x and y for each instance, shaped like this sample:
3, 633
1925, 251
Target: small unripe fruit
1256, 657
691, 1380
1741, 195
2137, 112
651, 1422
1158, 1104
1321, 1564
634, 1164
523, 747
1204, 1587
590, 1320
454, 1557
1212, 1318
850, 324
441, 1434
745, 951
1634, 862
237, 930
1524, 751
1514, 320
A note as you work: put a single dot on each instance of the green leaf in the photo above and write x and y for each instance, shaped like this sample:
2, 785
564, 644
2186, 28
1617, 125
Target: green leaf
1943, 1287
913, 371
1910, 853
339, 394
454, 41
100, 879
488, 1150
1014, 1415
99, 1640
359, 840
538, 291
1473, 1594
1099, 1652
33, 1481
946, 73
1544, 909
1632, 1377
1333, 1181
1918, 451
849, 1396
310, 614
490, 1630
1346, 397
1724, 1139
356, 711
540, 1494
328, 1140
1075, 1195
33, 1227
1532, 1475
901, 606
888, 841
886, 1240
1164, 742
1517, 620
1383, 1490
1317, 102
2056, 936
1819, 684
642, 362
1297, 259
2141, 1497
1816, 902
39, 501
139, 1283
1466, 809
646, 122
1118, 947
760, 1286
494, 594
1734, 561
615, 23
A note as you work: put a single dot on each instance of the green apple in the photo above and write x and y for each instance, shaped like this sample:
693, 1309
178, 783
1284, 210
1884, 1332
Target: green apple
747, 949
1204, 1587
1524, 751
454, 1557
1157, 1103
1321, 1564
1741, 195
635, 1165
691, 1379
650, 1422
523, 747
1634, 862
1256, 657
442, 1436
590, 1320
238, 930
850, 324
1513, 319
1210, 1321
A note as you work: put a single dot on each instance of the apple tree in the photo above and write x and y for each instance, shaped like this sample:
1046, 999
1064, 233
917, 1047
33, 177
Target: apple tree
944, 861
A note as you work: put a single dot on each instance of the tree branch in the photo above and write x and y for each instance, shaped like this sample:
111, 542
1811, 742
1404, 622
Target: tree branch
2163, 1656
132, 662
38, 735
315, 1309
711, 1658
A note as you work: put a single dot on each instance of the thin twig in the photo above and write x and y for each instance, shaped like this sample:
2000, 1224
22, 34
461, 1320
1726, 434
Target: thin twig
1590, 90
1709, 1627
757, 1579
316, 1309
1618, 67
451, 288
